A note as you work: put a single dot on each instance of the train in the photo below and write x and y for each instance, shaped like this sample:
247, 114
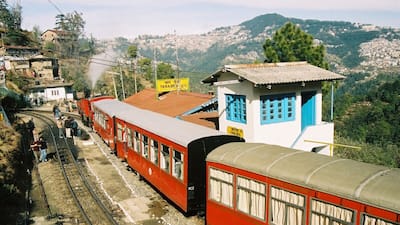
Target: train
230, 181
85, 108
167, 152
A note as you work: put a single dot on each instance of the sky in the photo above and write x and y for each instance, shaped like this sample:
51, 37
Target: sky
130, 18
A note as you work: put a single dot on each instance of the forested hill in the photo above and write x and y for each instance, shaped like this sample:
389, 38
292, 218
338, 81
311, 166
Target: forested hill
350, 47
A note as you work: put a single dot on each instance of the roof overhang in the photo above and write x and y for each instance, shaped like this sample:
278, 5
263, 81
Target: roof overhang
273, 73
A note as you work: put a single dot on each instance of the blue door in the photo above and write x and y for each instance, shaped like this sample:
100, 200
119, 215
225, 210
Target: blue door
307, 109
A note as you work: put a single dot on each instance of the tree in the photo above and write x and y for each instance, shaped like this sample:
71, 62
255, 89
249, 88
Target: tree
290, 44
72, 25
132, 51
165, 71
145, 68
5, 15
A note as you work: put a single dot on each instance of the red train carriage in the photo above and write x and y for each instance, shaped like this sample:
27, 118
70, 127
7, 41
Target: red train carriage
103, 120
250, 183
85, 108
169, 154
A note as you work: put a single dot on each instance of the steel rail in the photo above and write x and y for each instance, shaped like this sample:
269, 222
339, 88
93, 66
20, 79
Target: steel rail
62, 156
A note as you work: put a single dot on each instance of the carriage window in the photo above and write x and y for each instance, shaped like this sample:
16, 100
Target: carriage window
251, 197
154, 152
371, 220
136, 140
145, 146
221, 187
120, 132
101, 120
325, 213
129, 138
177, 165
164, 161
287, 208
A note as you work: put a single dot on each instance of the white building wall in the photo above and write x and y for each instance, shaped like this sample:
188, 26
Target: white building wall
51, 94
236, 89
288, 134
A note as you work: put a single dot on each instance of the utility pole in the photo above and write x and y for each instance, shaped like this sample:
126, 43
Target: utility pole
155, 70
115, 86
177, 63
135, 68
122, 81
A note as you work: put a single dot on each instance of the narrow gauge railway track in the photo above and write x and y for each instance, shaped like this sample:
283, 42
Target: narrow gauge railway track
92, 209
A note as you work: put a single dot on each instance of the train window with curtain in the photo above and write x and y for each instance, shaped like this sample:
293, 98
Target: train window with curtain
102, 121
287, 208
372, 220
96, 116
120, 132
325, 213
164, 158
129, 138
221, 187
145, 146
177, 165
251, 197
136, 141
154, 152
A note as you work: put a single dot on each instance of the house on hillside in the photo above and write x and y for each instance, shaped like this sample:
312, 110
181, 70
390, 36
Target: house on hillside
275, 103
44, 68
55, 36
48, 92
193, 107
19, 51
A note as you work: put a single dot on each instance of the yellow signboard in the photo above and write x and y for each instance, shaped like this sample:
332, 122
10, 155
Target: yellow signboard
234, 131
165, 85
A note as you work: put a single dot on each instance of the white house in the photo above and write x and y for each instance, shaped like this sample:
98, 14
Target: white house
275, 103
41, 93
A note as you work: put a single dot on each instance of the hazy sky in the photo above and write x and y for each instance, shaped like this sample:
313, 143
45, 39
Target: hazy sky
129, 18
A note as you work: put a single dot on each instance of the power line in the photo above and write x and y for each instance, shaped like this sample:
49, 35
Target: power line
55, 6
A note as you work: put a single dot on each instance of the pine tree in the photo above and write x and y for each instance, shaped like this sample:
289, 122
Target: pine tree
290, 44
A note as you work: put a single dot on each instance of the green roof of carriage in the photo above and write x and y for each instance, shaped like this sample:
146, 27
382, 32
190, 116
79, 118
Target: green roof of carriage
343, 177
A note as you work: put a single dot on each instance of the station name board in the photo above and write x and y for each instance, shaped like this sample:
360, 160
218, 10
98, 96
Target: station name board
165, 85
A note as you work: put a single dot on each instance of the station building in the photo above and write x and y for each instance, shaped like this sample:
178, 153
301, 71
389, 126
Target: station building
275, 103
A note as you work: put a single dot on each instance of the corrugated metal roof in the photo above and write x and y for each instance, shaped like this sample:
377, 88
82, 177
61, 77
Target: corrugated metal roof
179, 131
171, 104
176, 130
368, 183
276, 73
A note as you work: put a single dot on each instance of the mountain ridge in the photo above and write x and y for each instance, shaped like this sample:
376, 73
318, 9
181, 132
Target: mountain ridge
350, 46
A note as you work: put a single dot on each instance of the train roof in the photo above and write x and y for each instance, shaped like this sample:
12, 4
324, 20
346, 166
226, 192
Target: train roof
178, 131
111, 107
367, 183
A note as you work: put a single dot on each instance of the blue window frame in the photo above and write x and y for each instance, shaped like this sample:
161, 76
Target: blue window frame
277, 108
236, 108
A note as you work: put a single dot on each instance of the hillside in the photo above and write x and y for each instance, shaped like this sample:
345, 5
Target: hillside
350, 47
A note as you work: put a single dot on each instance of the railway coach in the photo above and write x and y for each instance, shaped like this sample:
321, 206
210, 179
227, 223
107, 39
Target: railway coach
169, 153
85, 108
251, 183
104, 114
